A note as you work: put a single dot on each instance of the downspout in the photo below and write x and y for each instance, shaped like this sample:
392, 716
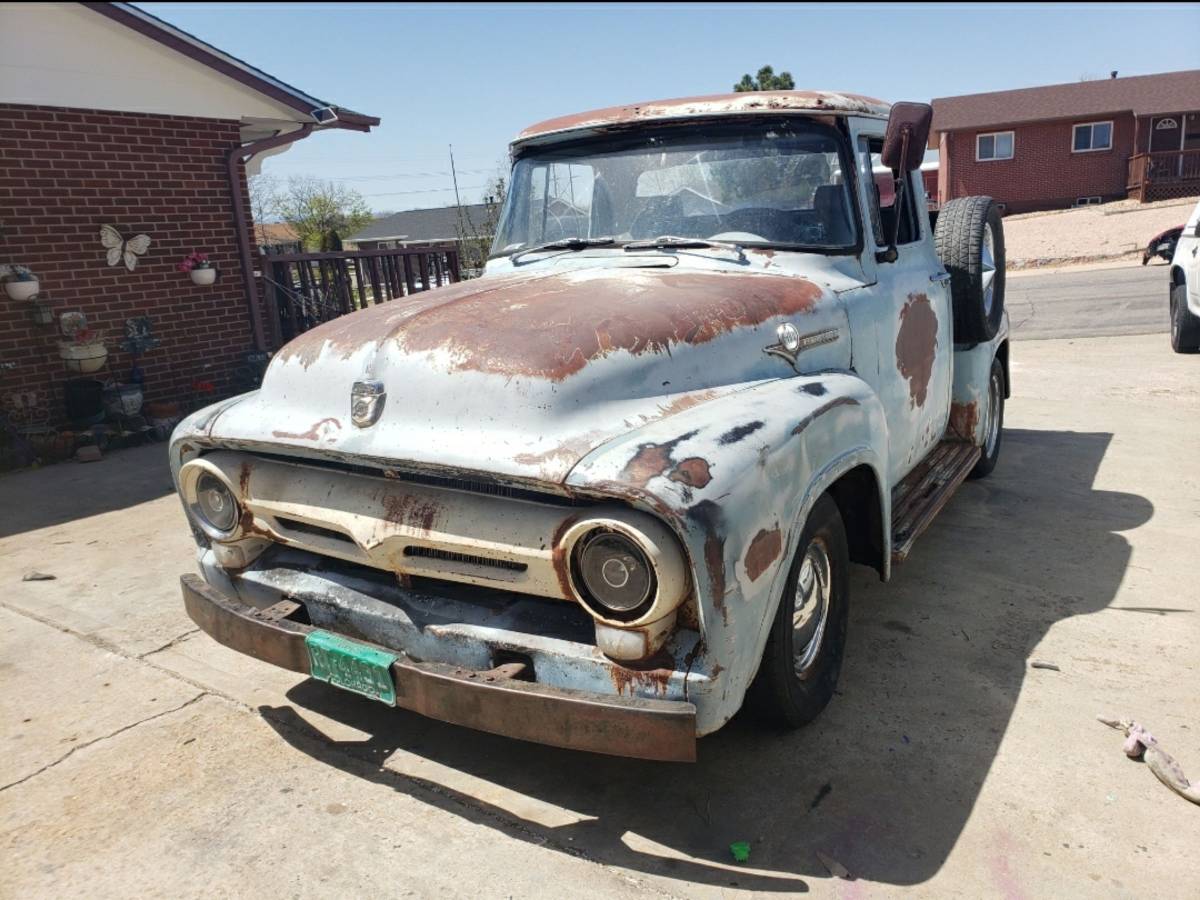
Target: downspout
238, 154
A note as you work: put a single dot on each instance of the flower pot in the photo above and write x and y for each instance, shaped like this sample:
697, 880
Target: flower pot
203, 276
83, 358
22, 290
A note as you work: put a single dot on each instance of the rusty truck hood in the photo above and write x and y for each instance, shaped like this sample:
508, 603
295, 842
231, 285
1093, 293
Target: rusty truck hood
519, 376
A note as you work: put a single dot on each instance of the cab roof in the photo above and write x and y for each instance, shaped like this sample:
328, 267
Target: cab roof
747, 103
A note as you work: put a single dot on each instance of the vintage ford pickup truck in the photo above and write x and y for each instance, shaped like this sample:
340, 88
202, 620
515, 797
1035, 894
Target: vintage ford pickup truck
608, 492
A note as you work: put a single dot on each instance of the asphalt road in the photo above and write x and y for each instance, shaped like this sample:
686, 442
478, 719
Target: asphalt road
1092, 303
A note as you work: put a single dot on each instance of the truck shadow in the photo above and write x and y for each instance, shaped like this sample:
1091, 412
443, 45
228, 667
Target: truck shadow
883, 782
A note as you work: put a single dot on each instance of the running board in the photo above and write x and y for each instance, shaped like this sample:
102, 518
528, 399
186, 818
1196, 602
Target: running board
925, 490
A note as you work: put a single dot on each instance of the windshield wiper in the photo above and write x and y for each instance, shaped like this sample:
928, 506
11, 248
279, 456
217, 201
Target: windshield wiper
670, 241
571, 243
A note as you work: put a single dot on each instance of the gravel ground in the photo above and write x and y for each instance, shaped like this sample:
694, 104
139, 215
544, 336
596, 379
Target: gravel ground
1091, 232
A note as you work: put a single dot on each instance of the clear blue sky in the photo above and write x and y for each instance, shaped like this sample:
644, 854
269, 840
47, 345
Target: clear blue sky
473, 75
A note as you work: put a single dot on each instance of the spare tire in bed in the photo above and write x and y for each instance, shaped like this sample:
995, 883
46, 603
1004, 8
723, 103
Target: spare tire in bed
970, 243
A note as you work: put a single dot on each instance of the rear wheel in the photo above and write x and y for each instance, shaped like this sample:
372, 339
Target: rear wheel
994, 424
1185, 327
803, 656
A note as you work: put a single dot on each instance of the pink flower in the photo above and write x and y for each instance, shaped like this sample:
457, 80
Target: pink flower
194, 260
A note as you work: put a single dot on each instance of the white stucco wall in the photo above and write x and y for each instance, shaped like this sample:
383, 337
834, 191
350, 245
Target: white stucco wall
61, 54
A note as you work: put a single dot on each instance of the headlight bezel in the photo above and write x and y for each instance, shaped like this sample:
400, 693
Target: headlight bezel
656, 543
190, 477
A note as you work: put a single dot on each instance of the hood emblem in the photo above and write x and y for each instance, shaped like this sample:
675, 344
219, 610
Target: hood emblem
366, 402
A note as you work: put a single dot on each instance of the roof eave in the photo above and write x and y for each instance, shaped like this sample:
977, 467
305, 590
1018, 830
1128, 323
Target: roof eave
192, 47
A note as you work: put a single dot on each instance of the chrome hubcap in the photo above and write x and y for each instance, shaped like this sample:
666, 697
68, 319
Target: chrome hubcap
995, 393
810, 606
988, 259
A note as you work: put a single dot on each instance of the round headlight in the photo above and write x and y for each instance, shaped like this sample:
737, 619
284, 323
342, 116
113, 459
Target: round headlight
215, 503
614, 573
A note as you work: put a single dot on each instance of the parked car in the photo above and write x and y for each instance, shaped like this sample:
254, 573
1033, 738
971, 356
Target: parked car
1185, 288
1162, 245
612, 489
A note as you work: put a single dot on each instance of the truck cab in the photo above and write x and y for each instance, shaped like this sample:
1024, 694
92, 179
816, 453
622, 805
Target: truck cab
610, 491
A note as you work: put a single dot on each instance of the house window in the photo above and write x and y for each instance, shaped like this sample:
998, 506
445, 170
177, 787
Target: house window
1092, 136
998, 145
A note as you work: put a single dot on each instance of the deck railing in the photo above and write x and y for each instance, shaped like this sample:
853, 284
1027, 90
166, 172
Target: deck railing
302, 290
1164, 175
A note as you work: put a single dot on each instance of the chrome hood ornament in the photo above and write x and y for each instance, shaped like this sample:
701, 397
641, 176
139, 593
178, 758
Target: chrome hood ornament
366, 402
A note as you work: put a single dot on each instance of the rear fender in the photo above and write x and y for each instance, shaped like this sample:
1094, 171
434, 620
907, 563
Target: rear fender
735, 478
972, 369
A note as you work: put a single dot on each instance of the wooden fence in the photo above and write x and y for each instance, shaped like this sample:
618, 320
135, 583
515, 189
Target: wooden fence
302, 290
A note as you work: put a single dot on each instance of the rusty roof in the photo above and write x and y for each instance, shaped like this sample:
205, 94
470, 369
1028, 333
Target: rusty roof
747, 103
1140, 94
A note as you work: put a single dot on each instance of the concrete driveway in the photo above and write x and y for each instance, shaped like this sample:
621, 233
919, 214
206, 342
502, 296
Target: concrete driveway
138, 757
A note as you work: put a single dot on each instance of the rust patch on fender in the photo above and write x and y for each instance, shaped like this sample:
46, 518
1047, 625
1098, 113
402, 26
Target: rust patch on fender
693, 472
709, 517
411, 512
916, 344
313, 434
763, 550
964, 418
652, 460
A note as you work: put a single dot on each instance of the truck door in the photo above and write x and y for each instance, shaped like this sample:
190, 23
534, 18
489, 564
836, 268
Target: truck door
910, 308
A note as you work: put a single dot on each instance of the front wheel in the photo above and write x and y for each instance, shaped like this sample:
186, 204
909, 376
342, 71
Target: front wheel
994, 426
803, 656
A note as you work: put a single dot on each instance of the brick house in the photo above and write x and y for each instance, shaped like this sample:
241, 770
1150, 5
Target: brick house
149, 131
1072, 144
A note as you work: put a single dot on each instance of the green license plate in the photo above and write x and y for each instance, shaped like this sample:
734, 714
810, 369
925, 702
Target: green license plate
352, 666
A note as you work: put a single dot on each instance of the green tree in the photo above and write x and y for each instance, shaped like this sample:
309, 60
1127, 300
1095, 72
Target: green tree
767, 80
322, 213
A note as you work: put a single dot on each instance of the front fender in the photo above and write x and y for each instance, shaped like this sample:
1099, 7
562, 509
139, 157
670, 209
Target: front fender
735, 478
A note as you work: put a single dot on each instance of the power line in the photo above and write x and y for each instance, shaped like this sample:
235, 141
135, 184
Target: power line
473, 187
407, 175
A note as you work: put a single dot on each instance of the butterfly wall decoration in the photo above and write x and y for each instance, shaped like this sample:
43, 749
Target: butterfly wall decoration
120, 248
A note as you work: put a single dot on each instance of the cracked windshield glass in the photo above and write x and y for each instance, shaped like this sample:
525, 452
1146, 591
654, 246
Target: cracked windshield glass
775, 186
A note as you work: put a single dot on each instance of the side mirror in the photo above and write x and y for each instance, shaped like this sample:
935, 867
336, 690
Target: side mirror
907, 134
903, 150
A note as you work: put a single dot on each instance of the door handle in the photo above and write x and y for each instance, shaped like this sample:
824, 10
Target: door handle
940, 277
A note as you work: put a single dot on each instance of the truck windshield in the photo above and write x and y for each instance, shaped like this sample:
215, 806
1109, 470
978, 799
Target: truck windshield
777, 184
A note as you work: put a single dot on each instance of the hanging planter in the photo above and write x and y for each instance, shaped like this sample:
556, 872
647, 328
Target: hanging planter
198, 266
84, 353
19, 282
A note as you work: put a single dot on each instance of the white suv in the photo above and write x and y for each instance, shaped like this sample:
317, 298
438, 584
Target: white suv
1185, 288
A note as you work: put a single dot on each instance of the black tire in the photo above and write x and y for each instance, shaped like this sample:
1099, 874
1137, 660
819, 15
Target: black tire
991, 443
959, 240
1185, 327
780, 696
